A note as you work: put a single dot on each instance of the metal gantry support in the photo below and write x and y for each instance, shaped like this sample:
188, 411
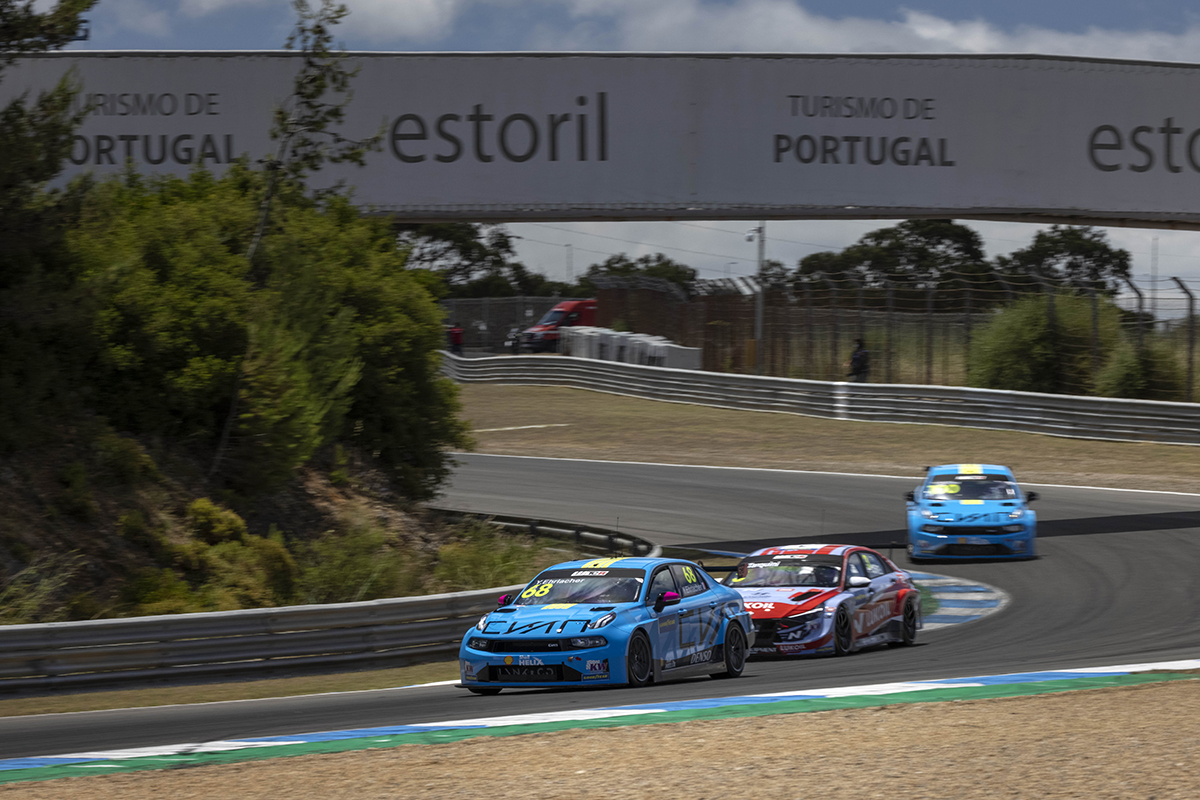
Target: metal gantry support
1191, 348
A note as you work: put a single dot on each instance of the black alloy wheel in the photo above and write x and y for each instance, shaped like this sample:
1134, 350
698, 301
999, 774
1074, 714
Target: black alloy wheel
735, 652
843, 632
639, 660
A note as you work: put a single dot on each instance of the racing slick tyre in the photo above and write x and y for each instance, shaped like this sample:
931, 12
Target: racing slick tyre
639, 660
843, 632
485, 690
735, 652
908, 626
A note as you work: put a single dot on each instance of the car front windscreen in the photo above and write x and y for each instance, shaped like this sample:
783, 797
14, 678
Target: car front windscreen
552, 316
962, 488
809, 570
571, 586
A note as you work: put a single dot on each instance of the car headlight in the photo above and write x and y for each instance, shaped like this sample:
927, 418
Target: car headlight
933, 528
802, 619
927, 513
589, 641
476, 643
482, 622
607, 619
1020, 512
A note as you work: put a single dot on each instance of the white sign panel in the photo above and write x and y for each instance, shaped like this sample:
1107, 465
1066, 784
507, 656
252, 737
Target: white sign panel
633, 136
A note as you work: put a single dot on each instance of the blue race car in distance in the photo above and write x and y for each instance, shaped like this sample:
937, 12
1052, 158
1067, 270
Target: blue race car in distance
608, 621
972, 511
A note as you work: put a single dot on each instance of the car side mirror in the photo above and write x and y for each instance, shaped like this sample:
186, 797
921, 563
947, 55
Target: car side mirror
858, 582
666, 599
910, 497
1031, 496
504, 599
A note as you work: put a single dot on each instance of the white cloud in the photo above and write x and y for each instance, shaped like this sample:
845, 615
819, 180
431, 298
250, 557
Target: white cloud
140, 16
388, 20
786, 26
201, 8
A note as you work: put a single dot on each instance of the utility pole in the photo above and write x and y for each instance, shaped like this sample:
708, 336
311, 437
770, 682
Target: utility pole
1153, 281
761, 233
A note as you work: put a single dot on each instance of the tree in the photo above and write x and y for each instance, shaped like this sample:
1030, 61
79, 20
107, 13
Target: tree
36, 306
655, 266
1075, 257
461, 252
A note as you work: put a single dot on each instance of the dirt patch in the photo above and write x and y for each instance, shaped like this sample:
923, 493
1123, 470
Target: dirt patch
610, 427
1096, 744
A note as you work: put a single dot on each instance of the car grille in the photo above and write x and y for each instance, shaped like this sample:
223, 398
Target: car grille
528, 646
765, 631
974, 530
974, 550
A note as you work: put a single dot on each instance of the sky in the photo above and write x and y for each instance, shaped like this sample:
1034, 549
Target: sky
1136, 29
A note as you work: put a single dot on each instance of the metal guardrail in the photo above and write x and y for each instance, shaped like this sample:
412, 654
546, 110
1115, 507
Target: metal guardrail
391, 632
1054, 414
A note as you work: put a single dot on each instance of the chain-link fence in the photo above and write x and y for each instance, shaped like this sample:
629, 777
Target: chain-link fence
916, 333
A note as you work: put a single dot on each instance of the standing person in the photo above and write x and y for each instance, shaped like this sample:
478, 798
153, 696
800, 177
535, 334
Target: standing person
860, 362
455, 335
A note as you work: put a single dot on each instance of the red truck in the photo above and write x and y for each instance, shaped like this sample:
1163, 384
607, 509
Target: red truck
543, 337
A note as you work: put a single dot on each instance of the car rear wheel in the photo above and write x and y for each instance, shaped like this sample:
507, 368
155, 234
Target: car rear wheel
639, 660
908, 626
843, 632
485, 690
735, 652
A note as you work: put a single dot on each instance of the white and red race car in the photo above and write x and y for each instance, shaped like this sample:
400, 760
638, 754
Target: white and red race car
811, 599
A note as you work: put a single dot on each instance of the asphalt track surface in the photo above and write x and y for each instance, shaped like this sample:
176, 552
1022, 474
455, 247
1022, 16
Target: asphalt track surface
1115, 584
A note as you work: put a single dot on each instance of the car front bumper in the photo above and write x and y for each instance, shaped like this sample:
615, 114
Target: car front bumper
540, 669
967, 543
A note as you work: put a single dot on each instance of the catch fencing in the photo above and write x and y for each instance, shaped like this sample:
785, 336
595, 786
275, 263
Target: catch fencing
391, 632
918, 330
1059, 415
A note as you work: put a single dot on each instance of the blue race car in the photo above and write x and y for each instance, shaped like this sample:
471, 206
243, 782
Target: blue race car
970, 511
608, 621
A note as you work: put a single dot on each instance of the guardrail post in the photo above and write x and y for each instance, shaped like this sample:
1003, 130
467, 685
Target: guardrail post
533, 528
578, 539
612, 542
1191, 348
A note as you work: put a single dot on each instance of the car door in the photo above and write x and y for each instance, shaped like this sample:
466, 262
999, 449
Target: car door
666, 632
699, 615
880, 601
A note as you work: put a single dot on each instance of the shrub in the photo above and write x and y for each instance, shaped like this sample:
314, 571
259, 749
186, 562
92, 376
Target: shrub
124, 460
37, 593
1152, 374
77, 499
356, 564
484, 557
1019, 350
212, 524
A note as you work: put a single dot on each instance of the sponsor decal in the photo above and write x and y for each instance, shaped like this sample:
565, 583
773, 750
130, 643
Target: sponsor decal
558, 606
868, 619
599, 676
508, 659
527, 661
703, 657
783, 556
468, 668
666, 623
519, 628
792, 648
597, 665
760, 606
589, 573
601, 563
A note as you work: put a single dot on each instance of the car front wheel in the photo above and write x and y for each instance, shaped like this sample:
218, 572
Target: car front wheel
639, 660
843, 632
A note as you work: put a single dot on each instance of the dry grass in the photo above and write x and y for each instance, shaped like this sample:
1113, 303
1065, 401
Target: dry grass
610, 427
